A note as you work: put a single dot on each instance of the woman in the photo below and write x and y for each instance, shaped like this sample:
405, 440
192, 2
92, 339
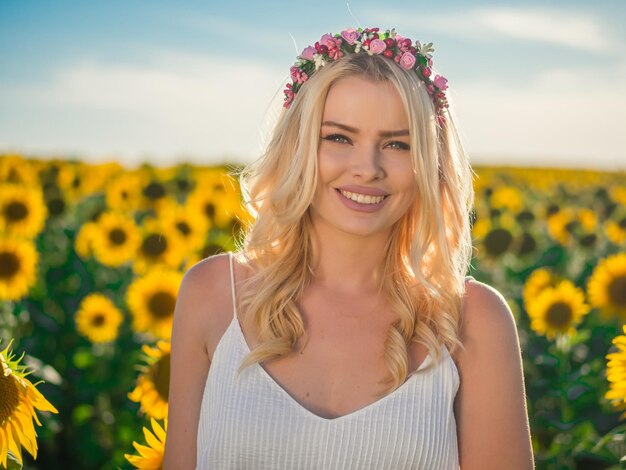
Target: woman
344, 334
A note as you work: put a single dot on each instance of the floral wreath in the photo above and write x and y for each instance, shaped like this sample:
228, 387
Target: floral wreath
409, 56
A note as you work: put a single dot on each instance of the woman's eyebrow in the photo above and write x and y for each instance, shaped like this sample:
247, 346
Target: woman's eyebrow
356, 131
341, 126
393, 133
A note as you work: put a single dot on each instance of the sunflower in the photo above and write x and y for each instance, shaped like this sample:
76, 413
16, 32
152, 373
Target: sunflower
18, 401
191, 228
480, 228
18, 267
538, 280
98, 319
124, 192
83, 244
151, 300
154, 191
16, 169
606, 286
555, 311
615, 227
160, 245
561, 224
150, 457
616, 373
217, 197
22, 210
153, 384
79, 180
618, 194
507, 197
117, 239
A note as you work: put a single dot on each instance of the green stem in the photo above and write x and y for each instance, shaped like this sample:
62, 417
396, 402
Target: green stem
565, 411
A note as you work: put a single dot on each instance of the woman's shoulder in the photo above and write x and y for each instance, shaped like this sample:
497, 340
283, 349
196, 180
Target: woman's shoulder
207, 276
483, 302
487, 323
205, 300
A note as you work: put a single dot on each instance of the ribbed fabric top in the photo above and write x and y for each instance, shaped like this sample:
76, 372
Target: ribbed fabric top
251, 422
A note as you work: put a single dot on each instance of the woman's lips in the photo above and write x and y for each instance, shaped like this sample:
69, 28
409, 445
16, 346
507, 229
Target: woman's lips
363, 202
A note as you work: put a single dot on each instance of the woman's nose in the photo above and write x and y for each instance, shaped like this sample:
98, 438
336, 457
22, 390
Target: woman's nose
367, 164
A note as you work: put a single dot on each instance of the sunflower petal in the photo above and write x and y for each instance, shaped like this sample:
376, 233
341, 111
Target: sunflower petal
158, 430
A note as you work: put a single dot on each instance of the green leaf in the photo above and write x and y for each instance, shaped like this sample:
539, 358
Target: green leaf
83, 358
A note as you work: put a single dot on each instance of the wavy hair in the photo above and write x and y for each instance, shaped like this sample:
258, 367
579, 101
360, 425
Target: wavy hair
426, 257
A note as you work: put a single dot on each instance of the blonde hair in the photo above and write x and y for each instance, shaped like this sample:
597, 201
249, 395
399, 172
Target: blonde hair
427, 255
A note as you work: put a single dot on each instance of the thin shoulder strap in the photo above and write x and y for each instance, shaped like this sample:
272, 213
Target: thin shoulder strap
232, 284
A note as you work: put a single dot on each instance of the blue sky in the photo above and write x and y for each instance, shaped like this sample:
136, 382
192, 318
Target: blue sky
532, 83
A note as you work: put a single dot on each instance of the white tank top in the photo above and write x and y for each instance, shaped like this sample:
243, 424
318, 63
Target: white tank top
250, 422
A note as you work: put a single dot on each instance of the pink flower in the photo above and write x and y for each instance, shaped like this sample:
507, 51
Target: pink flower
327, 40
350, 35
407, 61
321, 48
289, 95
441, 82
307, 54
377, 46
334, 53
298, 75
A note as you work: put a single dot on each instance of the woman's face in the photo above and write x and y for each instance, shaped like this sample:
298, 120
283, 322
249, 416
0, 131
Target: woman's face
365, 177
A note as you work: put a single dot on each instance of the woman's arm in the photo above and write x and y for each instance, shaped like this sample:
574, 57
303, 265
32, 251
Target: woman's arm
490, 406
196, 321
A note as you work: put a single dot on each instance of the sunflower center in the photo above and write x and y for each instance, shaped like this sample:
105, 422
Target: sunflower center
161, 376
15, 211
154, 245
559, 315
9, 265
617, 291
209, 210
117, 236
154, 191
97, 320
9, 396
622, 223
498, 241
183, 228
162, 304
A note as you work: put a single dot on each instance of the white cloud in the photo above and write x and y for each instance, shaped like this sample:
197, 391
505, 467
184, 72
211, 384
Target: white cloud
183, 104
558, 27
560, 117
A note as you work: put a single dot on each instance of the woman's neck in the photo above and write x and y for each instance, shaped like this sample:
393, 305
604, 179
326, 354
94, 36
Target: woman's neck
348, 263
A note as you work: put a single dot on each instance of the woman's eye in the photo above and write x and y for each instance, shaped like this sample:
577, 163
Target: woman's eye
397, 145
337, 138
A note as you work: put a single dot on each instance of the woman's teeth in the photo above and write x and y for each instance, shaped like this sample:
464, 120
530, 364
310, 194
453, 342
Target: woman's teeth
362, 198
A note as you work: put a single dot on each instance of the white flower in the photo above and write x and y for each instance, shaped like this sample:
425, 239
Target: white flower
425, 49
358, 46
319, 61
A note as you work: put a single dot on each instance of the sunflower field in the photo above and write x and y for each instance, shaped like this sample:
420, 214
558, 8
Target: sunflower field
92, 256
